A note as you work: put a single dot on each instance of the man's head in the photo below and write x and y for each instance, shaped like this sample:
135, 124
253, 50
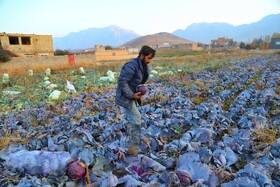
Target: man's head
147, 54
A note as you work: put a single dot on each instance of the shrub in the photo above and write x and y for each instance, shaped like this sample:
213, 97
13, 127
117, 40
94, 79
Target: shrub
277, 52
108, 47
60, 52
248, 47
242, 45
4, 56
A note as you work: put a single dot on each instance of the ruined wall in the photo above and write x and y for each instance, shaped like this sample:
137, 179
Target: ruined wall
115, 54
195, 47
275, 41
27, 44
98, 58
187, 47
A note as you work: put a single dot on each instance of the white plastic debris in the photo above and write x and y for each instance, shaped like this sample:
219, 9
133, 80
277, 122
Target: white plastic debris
70, 87
38, 162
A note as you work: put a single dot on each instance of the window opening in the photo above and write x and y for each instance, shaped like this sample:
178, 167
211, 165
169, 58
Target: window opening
13, 40
25, 41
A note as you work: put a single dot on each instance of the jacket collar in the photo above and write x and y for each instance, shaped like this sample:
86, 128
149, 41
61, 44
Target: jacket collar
140, 63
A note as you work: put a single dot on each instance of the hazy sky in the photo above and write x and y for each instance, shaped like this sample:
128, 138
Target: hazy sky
60, 17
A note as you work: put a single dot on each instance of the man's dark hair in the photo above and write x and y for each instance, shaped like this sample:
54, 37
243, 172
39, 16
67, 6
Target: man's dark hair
146, 51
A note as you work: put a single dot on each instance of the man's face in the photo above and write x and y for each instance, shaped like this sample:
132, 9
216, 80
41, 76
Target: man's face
146, 59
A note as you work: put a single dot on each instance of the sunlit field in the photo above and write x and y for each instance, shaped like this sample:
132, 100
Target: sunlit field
32, 90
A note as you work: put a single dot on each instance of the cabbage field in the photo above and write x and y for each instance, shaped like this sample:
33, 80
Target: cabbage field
207, 120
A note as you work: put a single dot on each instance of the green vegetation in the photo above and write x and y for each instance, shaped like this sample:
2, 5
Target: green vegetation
33, 91
60, 52
178, 129
183, 67
227, 104
257, 75
108, 47
180, 54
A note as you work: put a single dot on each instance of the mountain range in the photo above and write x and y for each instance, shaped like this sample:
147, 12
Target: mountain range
112, 35
196, 32
205, 32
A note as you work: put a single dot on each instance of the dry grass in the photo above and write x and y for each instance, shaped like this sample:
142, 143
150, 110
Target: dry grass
9, 140
263, 137
21, 68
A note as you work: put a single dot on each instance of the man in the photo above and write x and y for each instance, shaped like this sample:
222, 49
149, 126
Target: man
133, 73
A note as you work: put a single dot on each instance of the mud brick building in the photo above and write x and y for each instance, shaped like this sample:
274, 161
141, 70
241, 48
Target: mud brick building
275, 41
101, 54
27, 44
188, 47
223, 43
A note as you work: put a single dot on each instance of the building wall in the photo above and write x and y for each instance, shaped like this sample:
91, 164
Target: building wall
188, 47
27, 44
264, 46
195, 47
115, 54
222, 43
20, 65
266, 38
275, 41
87, 58
133, 49
112, 56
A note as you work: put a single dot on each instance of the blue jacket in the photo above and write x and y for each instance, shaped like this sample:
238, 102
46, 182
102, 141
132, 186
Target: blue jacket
132, 74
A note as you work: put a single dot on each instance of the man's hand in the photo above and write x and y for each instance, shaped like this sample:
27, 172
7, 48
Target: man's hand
137, 95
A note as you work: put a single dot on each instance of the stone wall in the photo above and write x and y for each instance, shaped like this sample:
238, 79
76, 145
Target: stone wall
98, 57
110, 55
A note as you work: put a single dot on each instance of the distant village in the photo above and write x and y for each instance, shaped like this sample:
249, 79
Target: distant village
29, 45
